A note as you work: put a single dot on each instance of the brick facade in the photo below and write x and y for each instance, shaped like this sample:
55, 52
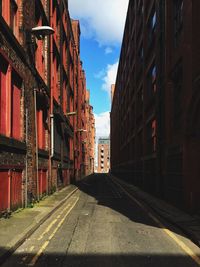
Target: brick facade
103, 155
39, 84
155, 114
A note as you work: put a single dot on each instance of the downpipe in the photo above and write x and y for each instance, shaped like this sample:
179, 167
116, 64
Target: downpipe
36, 142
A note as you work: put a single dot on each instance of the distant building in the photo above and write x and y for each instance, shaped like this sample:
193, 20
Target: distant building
89, 142
112, 91
103, 154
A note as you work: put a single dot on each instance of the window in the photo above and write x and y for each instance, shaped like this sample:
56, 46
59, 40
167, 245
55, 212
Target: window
15, 105
152, 27
13, 15
40, 129
4, 101
151, 82
141, 53
55, 76
10, 101
151, 136
139, 102
40, 47
178, 20
177, 95
9, 11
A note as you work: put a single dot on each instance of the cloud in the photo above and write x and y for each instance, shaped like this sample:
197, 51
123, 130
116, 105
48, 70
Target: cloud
108, 50
100, 74
110, 77
102, 123
102, 20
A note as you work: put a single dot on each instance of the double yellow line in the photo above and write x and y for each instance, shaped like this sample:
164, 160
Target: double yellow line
179, 242
68, 209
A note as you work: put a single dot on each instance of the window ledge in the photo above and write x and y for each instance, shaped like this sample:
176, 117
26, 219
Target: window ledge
12, 144
43, 153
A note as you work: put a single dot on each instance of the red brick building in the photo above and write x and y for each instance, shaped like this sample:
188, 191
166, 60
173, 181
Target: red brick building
155, 114
89, 141
42, 85
103, 155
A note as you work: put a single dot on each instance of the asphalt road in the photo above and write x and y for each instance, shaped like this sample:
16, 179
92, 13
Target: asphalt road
101, 226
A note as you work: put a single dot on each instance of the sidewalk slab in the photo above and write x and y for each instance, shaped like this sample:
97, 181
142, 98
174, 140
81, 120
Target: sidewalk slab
23, 223
188, 224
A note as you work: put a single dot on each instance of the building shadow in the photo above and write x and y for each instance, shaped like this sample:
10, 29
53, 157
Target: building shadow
101, 188
97, 260
98, 187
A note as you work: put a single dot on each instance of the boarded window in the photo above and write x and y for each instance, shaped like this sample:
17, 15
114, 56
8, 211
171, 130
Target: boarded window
41, 129
15, 106
3, 95
42, 175
4, 190
16, 190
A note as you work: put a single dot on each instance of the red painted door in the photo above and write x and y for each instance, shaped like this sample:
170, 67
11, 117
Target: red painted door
44, 181
42, 176
16, 129
4, 190
16, 190
65, 174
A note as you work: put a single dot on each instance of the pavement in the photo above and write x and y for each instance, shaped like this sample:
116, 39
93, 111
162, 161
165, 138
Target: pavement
15, 230
188, 224
22, 223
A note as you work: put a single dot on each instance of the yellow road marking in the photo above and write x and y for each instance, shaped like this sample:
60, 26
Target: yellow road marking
25, 257
52, 223
39, 253
180, 243
35, 258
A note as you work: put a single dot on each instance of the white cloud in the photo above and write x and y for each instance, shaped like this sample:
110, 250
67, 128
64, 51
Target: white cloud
100, 74
102, 123
102, 20
110, 77
108, 50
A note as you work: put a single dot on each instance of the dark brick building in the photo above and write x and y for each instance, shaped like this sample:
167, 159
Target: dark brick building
39, 83
155, 115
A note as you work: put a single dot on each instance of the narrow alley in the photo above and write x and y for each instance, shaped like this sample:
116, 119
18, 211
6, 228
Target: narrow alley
99, 225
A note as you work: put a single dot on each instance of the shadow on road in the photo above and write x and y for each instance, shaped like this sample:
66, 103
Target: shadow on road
99, 187
107, 194
96, 260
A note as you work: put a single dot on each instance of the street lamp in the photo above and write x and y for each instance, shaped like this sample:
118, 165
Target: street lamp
71, 113
81, 130
39, 32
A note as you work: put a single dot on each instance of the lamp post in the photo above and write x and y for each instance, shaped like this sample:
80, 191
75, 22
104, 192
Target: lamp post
73, 113
38, 32
81, 130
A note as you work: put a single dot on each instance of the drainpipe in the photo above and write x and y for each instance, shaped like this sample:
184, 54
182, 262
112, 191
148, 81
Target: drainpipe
26, 178
36, 143
52, 135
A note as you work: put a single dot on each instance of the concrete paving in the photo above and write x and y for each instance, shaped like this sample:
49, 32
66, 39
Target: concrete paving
99, 225
104, 229
189, 224
22, 223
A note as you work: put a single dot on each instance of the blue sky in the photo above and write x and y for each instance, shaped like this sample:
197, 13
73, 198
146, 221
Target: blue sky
102, 24
95, 61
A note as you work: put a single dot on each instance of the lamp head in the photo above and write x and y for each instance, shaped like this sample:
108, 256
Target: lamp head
41, 31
